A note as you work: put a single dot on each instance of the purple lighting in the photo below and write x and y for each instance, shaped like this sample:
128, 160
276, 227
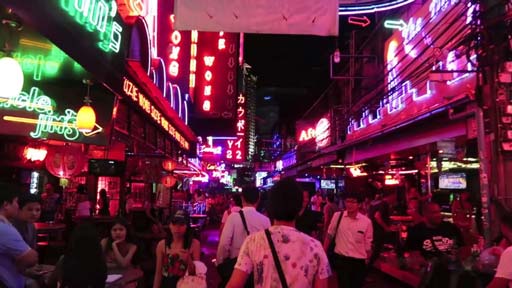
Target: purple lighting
371, 7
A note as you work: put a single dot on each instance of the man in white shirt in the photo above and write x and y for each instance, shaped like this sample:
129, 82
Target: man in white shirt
353, 242
503, 276
234, 232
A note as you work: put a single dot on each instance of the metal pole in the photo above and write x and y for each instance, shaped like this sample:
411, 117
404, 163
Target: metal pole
429, 176
484, 170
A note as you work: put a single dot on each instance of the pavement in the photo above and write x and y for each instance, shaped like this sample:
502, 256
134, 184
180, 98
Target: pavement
210, 239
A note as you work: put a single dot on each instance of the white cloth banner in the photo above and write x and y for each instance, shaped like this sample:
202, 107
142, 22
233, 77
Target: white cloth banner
308, 17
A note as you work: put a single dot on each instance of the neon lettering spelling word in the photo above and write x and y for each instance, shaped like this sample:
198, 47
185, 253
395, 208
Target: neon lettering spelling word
136, 96
97, 16
48, 120
320, 132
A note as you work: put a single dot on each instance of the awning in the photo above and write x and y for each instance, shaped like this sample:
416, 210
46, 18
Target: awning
405, 139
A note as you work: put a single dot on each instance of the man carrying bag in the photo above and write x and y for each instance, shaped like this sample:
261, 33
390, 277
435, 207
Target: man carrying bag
238, 226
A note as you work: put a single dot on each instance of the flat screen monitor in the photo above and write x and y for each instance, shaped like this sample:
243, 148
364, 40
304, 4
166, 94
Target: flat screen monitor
452, 181
327, 184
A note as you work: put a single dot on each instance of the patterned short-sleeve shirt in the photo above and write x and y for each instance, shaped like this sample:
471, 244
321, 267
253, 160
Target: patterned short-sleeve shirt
301, 256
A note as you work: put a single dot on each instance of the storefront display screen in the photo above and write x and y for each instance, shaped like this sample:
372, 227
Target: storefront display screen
452, 181
327, 184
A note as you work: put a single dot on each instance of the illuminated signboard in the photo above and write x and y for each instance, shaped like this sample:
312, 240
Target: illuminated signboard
143, 102
318, 132
420, 46
351, 7
97, 16
44, 108
216, 75
236, 148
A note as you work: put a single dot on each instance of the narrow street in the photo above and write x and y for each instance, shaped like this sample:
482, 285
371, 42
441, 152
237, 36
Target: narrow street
210, 240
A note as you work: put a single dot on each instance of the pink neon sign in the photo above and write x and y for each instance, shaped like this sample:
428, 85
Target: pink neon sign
411, 64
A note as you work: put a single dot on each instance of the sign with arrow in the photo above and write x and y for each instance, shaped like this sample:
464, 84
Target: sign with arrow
360, 21
395, 24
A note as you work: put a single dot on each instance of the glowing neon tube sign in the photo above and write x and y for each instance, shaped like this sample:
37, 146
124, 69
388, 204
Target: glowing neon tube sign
402, 59
136, 96
97, 16
48, 121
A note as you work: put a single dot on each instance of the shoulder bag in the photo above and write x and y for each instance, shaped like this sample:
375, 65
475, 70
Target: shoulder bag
330, 250
276, 260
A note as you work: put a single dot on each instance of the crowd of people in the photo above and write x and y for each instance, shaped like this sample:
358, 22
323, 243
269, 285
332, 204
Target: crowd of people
285, 245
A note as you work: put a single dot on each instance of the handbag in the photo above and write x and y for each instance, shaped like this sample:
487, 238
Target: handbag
284, 284
225, 269
330, 250
194, 281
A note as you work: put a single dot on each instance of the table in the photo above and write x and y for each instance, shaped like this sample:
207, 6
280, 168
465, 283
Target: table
50, 228
129, 277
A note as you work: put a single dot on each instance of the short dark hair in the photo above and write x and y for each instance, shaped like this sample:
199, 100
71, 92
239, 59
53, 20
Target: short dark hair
251, 194
353, 195
237, 198
330, 197
285, 200
8, 192
506, 219
27, 198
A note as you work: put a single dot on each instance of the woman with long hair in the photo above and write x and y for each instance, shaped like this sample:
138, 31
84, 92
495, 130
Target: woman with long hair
104, 203
83, 265
119, 247
175, 255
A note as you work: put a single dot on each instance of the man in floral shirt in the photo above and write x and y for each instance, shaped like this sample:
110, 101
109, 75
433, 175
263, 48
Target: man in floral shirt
302, 257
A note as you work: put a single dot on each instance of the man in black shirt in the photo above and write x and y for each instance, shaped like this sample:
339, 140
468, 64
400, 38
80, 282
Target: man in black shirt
438, 242
382, 228
307, 220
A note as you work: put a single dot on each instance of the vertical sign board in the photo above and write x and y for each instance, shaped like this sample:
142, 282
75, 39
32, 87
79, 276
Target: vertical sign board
426, 42
174, 48
236, 151
216, 75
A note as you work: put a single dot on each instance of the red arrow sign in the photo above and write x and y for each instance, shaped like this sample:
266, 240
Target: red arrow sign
361, 21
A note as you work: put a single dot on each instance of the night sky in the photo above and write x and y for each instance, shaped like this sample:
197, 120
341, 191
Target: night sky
292, 69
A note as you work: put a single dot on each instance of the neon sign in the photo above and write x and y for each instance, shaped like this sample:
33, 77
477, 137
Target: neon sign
236, 147
407, 96
208, 75
193, 62
97, 16
136, 96
349, 8
48, 121
320, 132
359, 21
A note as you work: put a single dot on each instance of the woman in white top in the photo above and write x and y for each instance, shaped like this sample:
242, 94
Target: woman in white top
83, 206
235, 204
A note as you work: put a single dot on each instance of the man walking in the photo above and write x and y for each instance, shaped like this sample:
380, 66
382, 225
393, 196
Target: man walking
353, 241
238, 226
281, 256
15, 254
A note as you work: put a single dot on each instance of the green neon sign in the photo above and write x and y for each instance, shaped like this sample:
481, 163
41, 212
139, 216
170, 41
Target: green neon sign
48, 121
97, 16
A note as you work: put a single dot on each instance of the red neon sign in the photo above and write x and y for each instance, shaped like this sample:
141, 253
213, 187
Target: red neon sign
174, 50
136, 96
359, 21
320, 132
193, 62
213, 72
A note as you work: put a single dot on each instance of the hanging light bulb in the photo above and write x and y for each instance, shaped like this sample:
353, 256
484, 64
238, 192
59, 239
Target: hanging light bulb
11, 74
86, 117
11, 78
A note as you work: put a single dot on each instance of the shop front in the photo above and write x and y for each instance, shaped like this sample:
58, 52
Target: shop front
138, 125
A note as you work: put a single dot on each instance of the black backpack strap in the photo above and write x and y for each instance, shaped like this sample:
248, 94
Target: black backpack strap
276, 260
337, 226
244, 222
